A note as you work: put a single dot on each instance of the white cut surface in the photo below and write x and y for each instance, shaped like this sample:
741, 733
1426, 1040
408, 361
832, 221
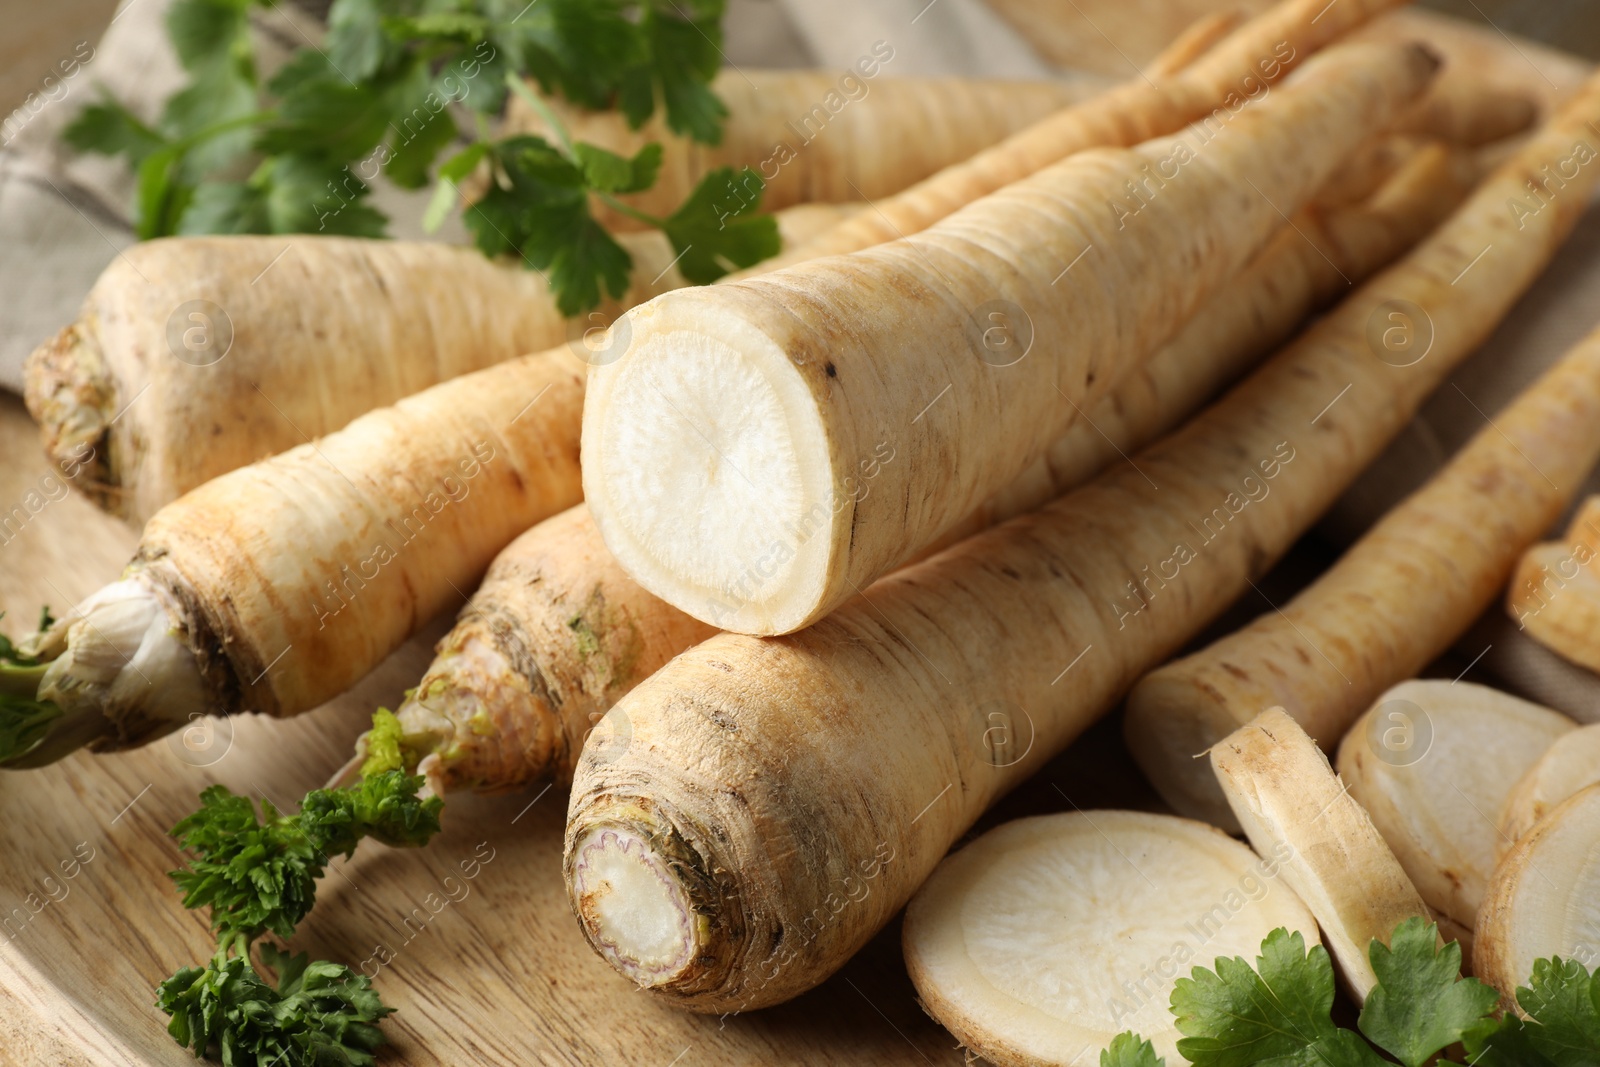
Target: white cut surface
1545, 900
1045, 938
636, 908
1570, 765
1439, 809
707, 473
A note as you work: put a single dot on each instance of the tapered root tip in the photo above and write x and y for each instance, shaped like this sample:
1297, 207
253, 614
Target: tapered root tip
708, 470
634, 910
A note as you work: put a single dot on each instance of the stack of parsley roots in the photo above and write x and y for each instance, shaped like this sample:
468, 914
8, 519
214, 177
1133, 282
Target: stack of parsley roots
885, 497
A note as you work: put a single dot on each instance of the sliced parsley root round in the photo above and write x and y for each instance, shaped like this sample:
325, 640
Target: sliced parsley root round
1292, 807
816, 135
1432, 762
1050, 935
1572, 764
737, 512
1544, 901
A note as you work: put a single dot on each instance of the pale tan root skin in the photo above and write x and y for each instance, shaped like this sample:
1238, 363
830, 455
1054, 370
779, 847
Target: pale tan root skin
1299, 272
1225, 78
1544, 900
1287, 798
1398, 598
194, 356
298, 574
761, 770
811, 343
818, 136
554, 636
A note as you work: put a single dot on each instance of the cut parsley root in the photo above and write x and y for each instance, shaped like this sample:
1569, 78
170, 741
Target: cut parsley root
1215, 84
1571, 764
1049, 935
278, 585
1544, 901
1433, 763
1291, 805
1403, 594
816, 136
756, 787
195, 356
558, 632
733, 513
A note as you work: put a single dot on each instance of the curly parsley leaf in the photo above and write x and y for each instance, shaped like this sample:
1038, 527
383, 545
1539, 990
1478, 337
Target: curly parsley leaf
319, 1015
1236, 1015
718, 230
384, 806
1130, 1050
1421, 1004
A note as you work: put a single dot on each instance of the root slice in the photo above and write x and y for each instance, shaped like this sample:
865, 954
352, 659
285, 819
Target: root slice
1291, 804
1047, 937
1433, 763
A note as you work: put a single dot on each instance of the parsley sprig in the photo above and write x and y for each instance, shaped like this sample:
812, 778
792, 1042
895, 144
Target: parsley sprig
257, 873
1279, 1012
234, 152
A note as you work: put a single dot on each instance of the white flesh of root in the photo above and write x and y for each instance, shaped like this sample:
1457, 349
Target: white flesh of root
1291, 804
117, 665
1433, 763
1570, 765
1545, 898
1046, 937
639, 915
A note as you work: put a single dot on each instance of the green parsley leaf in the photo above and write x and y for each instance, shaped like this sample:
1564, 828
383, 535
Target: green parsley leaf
607, 172
219, 96
1130, 1050
539, 208
319, 1015
207, 32
1564, 1000
111, 129
356, 43
287, 194
685, 52
1421, 1004
1236, 1017
717, 230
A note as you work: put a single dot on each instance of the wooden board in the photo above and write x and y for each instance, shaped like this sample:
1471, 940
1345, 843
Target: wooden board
499, 975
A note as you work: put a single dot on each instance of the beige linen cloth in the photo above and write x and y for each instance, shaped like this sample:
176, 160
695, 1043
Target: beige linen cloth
64, 218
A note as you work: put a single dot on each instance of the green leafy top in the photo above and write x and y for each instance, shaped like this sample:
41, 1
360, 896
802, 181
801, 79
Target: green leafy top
25, 720
318, 1015
1279, 1012
296, 153
259, 874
